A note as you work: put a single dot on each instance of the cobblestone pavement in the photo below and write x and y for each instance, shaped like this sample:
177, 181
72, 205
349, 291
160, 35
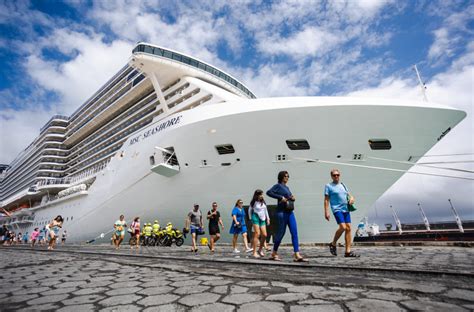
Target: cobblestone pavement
93, 278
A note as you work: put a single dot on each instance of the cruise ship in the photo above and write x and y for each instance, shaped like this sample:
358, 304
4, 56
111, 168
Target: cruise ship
169, 130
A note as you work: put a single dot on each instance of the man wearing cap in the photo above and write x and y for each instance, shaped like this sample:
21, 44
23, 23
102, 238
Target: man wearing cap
195, 225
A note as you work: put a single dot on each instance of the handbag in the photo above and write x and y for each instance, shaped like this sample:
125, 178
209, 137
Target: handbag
290, 206
350, 207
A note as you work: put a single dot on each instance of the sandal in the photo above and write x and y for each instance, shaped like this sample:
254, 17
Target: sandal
256, 256
351, 254
261, 253
301, 259
332, 249
275, 258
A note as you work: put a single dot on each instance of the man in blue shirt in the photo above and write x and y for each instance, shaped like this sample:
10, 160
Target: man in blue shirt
337, 195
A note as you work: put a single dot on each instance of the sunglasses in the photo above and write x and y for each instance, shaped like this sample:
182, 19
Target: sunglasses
335, 175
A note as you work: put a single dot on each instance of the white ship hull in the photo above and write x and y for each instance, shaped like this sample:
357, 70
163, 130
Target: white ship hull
336, 129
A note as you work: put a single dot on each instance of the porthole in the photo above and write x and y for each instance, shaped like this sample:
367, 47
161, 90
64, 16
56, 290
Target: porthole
225, 149
380, 144
299, 144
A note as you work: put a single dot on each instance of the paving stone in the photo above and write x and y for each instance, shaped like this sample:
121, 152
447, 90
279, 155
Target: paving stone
78, 308
262, 306
83, 299
317, 308
97, 284
46, 307
220, 290
306, 289
253, 283
241, 298
123, 291
48, 299
385, 295
126, 284
431, 306
214, 307
331, 294
186, 283
173, 307
238, 289
209, 278
288, 297
158, 300
217, 282
59, 291
156, 283
187, 290
315, 302
122, 308
118, 300
373, 305
31, 291
463, 294
283, 285
156, 290
199, 299
70, 284
88, 291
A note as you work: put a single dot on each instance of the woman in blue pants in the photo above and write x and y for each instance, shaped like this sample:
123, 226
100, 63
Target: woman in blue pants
285, 216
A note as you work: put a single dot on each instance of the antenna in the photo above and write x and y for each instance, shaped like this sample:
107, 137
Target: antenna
425, 219
422, 84
397, 220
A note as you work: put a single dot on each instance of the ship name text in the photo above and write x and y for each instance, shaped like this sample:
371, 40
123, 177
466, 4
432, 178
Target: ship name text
162, 126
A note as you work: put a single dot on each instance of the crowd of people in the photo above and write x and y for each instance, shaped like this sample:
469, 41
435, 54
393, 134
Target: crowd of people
336, 197
48, 235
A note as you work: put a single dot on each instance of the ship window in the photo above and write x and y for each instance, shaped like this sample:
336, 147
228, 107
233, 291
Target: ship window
380, 144
297, 144
225, 149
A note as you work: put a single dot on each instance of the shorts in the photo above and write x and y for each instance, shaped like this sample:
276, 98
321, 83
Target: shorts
257, 221
342, 217
137, 232
194, 229
120, 233
213, 230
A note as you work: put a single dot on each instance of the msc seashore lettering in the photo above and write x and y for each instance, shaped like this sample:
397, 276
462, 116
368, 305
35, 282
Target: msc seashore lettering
160, 127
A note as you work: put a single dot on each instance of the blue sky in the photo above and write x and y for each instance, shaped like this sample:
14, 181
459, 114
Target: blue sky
54, 55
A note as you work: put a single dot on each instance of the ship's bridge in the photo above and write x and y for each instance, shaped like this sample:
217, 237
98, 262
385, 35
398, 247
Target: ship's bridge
167, 66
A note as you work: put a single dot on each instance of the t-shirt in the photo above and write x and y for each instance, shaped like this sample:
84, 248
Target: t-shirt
214, 220
120, 225
337, 196
195, 217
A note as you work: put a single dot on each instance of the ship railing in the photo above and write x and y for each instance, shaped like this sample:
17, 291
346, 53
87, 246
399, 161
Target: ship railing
74, 179
93, 171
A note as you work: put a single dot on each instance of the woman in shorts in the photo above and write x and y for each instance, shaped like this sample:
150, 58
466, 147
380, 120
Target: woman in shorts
238, 226
119, 234
259, 216
53, 229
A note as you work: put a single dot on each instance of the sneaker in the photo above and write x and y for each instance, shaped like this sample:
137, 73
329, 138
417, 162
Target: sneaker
248, 250
236, 251
332, 249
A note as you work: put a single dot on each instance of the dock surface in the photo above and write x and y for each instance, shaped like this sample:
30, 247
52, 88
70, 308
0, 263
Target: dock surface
99, 278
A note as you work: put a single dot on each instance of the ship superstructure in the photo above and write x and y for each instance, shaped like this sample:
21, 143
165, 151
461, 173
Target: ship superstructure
169, 130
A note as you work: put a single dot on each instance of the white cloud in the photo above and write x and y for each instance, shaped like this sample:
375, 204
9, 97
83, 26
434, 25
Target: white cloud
310, 41
94, 62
